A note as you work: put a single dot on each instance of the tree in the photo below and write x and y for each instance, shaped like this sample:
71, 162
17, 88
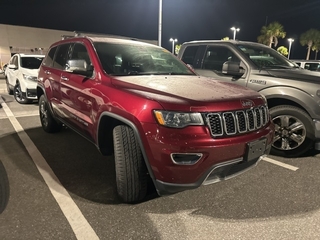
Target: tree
271, 33
177, 48
283, 50
316, 48
309, 38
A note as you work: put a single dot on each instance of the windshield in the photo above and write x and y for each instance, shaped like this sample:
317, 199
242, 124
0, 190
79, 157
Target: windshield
31, 62
265, 57
134, 59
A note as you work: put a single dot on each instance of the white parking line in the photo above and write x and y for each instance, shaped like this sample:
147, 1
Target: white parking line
281, 164
77, 221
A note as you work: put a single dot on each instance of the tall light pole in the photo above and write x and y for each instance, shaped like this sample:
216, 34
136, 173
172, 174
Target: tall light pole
291, 40
173, 41
234, 32
160, 23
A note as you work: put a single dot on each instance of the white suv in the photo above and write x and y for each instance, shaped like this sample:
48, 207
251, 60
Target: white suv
21, 76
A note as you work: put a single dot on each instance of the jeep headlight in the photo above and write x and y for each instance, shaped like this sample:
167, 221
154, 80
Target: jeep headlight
28, 77
178, 119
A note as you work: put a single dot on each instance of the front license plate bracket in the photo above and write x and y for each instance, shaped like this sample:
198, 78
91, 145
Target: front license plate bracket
256, 149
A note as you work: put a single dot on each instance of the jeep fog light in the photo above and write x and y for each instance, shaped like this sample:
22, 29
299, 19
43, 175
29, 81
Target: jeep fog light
186, 158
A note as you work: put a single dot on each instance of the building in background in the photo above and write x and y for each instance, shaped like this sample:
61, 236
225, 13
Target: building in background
20, 39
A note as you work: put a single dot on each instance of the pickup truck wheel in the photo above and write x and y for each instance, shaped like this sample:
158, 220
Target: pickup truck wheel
294, 133
49, 124
18, 95
131, 171
4, 188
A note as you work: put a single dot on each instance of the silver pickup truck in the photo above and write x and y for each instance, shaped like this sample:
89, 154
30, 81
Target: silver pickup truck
293, 93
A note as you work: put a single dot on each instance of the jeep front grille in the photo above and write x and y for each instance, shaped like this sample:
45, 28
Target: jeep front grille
236, 122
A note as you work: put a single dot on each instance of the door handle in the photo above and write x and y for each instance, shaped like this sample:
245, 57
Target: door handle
64, 78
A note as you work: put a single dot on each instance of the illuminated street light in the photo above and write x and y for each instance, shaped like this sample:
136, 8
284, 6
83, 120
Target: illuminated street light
291, 40
234, 32
173, 41
160, 23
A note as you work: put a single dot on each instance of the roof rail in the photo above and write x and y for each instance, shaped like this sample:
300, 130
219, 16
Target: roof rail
66, 36
90, 34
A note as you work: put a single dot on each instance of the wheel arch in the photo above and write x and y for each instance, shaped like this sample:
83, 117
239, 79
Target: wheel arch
40, 91
107, 122
294, 97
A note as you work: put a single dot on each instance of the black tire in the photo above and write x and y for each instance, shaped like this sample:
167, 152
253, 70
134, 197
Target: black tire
131, 171
18, 95
49, 124
294, 133
10, 91
4, 188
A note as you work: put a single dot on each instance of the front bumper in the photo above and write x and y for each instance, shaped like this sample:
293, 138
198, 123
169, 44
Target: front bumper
31, 93
221, 159
29, 89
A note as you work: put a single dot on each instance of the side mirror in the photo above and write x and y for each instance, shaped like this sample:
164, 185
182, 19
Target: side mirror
79, 66
12, 66
232, 69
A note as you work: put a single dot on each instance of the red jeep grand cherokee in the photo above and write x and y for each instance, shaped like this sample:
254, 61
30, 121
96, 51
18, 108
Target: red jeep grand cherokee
159, 119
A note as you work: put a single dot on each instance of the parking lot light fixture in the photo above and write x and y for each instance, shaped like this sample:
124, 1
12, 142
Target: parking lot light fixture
234, 32
173, 41
291, 40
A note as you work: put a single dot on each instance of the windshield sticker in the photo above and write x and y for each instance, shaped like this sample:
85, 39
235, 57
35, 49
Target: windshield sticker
261, 82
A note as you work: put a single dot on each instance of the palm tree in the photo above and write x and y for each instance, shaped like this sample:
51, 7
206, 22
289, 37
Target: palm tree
271, 33
316, 48
309, 38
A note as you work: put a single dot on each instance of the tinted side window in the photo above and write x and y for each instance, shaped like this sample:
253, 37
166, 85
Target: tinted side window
215, 56
61, 56
48, 61
312, 66
189, 54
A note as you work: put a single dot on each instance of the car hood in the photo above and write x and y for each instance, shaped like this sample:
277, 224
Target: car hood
294, 74
30, 72
188, 90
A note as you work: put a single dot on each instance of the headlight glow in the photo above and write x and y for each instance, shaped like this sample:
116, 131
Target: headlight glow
178, 119
30, 78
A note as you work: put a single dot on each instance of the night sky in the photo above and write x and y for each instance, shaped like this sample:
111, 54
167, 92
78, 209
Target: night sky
185, 20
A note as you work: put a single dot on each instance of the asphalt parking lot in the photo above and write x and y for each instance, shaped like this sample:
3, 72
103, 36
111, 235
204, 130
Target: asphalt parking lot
62, 188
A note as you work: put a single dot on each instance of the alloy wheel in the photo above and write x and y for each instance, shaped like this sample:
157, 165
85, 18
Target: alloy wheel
44, 114
290, 132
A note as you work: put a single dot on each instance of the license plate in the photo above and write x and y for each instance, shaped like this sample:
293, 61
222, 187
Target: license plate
256, 149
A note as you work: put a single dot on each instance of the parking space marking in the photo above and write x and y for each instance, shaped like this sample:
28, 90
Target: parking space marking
281, 164
77, 221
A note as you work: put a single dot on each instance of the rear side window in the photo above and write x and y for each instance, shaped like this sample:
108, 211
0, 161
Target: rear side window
217, 55
189, 54
48, 61
61, 56
312, 66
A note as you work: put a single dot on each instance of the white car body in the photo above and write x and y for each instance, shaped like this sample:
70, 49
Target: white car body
312, 65
22, 75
